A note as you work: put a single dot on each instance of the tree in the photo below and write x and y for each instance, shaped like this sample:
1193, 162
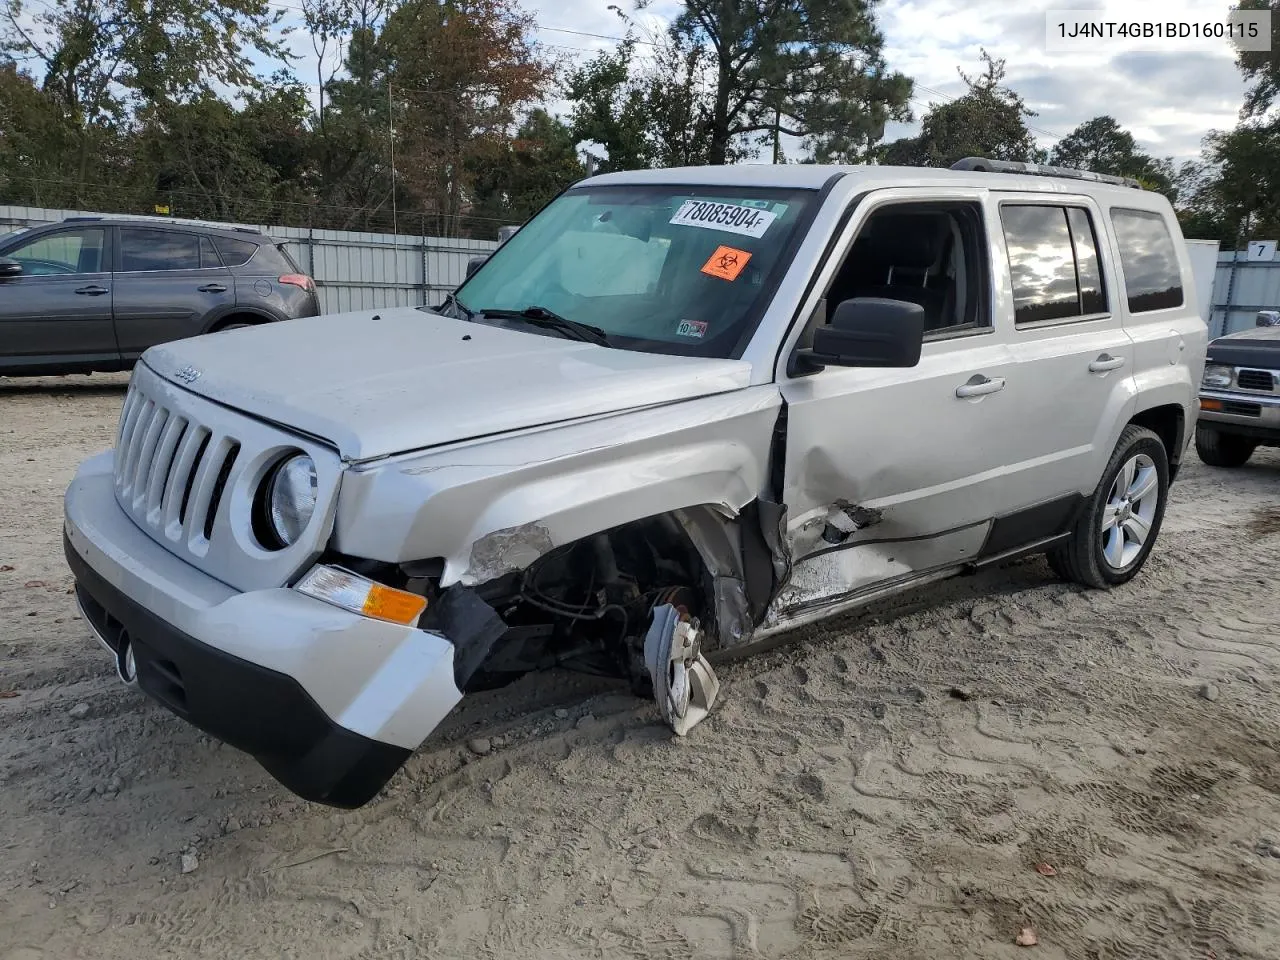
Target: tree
212, 160
1248, 188
1261, 67
462, 71
525, 173
610, 108
1103, 146
805, 68
97, 53
103, 58
328, 22
1198, 202
988, 121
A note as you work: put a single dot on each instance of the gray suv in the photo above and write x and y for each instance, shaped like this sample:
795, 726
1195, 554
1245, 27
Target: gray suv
92, 293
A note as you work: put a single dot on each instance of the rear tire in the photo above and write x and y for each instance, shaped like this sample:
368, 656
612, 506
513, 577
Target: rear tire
1121, 520
1219, 449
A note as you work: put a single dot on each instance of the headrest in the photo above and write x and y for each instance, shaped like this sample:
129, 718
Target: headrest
908, 240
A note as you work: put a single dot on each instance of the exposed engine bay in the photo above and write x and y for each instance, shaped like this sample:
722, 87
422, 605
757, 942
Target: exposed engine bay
633, 602
588, 605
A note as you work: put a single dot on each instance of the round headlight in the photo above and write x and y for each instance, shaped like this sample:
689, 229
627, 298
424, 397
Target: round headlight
291, 498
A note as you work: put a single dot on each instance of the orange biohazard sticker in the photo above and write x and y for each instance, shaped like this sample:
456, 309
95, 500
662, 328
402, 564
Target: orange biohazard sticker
726, 263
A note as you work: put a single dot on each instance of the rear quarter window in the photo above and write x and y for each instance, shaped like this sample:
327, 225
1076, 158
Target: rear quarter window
234, 252
1149, 260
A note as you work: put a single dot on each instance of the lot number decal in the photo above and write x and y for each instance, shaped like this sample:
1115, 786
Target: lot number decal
729, 217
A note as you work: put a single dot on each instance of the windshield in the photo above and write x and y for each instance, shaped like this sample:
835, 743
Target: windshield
664, 269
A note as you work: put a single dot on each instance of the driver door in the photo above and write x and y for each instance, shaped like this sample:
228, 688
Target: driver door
57, 312
895, 475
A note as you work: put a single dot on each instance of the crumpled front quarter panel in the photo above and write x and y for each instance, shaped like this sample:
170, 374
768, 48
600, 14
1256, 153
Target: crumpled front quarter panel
493, 506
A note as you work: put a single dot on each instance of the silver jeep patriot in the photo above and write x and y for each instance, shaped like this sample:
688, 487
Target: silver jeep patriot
678, 413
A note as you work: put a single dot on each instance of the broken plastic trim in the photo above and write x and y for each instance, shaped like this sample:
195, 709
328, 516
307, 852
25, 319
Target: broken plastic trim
684, 685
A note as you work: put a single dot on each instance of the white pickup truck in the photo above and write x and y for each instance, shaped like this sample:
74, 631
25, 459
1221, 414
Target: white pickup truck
679, 413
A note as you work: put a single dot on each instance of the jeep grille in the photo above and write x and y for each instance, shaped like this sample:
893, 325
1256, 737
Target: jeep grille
188, 471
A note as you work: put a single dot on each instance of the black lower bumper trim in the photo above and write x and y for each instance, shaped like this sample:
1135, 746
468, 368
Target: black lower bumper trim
265, 713
1263, 436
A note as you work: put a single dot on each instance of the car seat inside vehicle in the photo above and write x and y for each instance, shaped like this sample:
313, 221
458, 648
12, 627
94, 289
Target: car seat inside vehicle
918, 256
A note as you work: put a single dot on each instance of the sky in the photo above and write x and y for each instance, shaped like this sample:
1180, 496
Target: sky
1167, 100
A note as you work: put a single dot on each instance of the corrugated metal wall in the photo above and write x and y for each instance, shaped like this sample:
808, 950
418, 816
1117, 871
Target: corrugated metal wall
1256, 286
353, 271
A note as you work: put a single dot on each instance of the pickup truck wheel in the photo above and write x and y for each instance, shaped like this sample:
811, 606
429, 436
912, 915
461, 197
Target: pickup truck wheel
1115, 533
1219, 449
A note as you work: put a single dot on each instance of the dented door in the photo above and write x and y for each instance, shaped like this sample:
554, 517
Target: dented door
894, 473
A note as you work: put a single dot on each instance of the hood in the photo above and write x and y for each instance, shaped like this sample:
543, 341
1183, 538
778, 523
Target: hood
1252, 333
1251, 347
378, 383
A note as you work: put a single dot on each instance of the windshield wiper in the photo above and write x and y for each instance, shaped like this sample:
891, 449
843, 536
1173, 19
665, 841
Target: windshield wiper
548, 320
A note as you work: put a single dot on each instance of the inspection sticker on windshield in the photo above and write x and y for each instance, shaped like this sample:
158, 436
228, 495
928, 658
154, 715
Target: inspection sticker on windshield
726, 263
729, 217
692, 328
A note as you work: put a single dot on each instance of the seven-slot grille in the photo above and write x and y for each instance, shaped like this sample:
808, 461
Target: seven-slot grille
170, 471
1255, 379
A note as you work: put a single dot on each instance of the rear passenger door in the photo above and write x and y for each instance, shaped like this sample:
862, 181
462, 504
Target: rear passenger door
1067, 336
166, 283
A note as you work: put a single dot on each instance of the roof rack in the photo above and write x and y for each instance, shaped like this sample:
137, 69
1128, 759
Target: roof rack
79, 219
983, 165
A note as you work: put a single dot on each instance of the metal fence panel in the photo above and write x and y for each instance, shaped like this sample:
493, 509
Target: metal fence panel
352, 271
1255, 286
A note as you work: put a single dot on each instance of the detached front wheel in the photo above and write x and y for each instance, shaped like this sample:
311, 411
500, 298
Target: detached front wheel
1115, 533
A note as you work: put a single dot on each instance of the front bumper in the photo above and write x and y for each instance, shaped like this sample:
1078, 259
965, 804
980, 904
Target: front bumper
1256, 416
330, 703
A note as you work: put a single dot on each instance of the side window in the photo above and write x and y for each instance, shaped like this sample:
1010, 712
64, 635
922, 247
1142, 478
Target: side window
142, 249
1053, 263
931, 254
234, 252
208, 255
1093, 296
1152, 278
62, 253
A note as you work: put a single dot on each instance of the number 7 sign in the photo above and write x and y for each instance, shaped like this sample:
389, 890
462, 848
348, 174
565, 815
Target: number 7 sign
1264, 250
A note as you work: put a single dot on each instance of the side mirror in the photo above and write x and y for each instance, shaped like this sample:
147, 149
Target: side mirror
868, 332
506, 232
474, 264
9, 268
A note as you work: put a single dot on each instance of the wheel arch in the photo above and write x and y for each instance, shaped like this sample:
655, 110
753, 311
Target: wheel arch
1168, 421
237, 314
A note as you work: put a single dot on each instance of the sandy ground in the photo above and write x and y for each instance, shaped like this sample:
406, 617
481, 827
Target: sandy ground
883, 787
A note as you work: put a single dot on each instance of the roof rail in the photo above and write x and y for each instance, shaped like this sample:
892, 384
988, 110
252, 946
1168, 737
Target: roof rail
983, 165
180, 221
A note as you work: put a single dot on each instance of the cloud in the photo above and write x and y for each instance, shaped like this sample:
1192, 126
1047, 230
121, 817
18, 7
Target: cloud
1169, 101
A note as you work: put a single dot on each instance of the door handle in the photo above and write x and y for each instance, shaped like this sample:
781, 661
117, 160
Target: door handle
92, 290
212, 288
979, 386
1106, 362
